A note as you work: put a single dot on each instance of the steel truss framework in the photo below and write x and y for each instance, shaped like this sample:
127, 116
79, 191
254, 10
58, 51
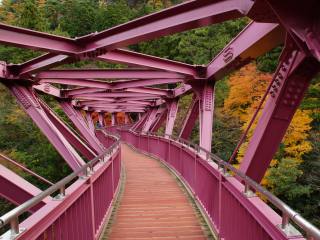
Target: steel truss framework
136, 89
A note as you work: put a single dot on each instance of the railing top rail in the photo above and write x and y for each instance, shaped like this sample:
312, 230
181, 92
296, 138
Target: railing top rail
287, 211
16, 212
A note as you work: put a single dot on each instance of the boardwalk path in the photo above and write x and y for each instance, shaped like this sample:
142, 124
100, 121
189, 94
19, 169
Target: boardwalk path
153, 205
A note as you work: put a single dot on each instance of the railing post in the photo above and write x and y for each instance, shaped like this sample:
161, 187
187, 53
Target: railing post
285, 221
220, 207
14, 226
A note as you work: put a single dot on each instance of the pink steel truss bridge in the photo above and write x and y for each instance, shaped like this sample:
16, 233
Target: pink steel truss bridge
226, 195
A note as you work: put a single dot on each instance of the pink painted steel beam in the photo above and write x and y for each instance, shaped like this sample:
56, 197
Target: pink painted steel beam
20, 37
131, 58
156, 91
150, 120
171, 116
110, 100
291, 81
183, 89
114, 105
146, 82
89, 121
160, 119
253, 41
113, 119
114, 85
101, 119
206, 97
126, 118
31, 105
114, 95
300, 19
188, 15
111, 107
78, 121
72, 138
38, 64
104, 109
18, 190
81, 90
191, 14
48, 89
128, 73
139, 124
190, 119
138, 59
79, 82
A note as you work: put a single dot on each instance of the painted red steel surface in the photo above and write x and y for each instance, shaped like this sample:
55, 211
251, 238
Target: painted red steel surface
231, 213
82, 213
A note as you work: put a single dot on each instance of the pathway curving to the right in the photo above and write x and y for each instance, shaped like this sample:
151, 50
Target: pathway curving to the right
153, 205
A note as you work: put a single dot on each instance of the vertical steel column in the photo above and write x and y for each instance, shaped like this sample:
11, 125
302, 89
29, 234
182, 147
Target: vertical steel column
113, 119
90, 121
101, 119
292, 79
206, 96
78, 120
31, 105
171, 116
190, 119
126, 118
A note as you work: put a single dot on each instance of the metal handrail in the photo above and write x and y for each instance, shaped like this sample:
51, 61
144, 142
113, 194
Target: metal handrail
13, 215
312, 232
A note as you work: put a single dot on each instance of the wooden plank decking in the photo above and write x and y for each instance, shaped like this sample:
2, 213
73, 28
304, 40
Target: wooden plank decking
153, 205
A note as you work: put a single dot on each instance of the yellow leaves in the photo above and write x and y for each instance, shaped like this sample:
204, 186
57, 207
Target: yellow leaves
247, 86
16, 115
246, 89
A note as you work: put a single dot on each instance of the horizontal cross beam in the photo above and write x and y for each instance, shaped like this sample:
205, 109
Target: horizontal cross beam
107, 74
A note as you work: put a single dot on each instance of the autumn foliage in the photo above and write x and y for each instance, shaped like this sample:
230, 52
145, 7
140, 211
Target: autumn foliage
247, 86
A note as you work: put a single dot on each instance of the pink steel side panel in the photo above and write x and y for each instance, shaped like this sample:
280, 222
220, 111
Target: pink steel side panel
81, 214
17, 190
291, 81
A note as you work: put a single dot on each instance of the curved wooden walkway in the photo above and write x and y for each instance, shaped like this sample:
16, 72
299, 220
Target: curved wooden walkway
153, 205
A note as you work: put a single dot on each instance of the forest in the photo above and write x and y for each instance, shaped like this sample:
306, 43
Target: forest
294, 172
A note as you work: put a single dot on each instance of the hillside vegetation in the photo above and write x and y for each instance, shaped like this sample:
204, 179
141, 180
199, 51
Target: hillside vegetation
294, 173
